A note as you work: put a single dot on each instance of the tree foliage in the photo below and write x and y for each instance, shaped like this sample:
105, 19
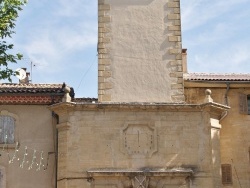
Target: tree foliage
9, 10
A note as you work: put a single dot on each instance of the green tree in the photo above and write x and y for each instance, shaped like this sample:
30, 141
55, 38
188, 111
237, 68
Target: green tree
9, 10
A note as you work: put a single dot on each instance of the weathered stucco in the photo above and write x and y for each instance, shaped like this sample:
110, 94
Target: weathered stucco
33, 129
140, 51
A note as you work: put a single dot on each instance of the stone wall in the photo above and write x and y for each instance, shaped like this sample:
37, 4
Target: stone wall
118, 143
234, 134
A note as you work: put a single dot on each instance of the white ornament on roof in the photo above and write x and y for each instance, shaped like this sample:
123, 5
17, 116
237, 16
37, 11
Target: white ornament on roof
208, 97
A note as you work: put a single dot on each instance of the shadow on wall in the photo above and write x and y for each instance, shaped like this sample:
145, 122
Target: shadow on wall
131, 2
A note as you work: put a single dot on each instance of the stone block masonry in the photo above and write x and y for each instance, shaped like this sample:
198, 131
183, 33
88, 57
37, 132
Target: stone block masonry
118, 142
174, 38
104, 59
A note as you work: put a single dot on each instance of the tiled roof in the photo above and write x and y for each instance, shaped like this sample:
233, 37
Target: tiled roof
30, 99
31, 88
217, 77
85, 100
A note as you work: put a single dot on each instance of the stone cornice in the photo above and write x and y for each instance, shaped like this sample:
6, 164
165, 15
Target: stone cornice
214, 108
126, 172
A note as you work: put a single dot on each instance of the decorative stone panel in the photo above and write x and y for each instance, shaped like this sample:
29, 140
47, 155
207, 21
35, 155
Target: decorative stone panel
138, 140
158, 178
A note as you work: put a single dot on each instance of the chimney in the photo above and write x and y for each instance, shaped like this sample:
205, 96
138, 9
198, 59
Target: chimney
184, 60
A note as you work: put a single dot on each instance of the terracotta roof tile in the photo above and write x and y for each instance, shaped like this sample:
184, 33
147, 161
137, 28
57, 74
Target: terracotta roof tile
30, 88
85, 100
216, 77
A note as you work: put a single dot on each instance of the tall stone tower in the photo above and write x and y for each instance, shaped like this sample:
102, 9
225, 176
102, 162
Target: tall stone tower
139, 46
140, 134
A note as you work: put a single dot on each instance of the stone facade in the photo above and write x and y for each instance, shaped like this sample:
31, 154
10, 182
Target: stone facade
234, 134
141, 133
153, 125
105, 145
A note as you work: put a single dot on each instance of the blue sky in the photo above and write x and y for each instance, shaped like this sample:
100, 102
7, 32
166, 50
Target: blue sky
60, 38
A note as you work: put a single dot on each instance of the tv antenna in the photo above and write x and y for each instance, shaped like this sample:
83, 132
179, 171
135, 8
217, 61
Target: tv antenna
22, 74
29, 61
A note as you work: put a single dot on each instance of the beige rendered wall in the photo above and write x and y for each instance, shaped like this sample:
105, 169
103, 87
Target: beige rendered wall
33, 129
94, 139
235, 131
216, 155
139, 45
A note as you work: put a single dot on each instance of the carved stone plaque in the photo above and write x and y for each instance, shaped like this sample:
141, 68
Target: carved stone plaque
138, 140
140, 182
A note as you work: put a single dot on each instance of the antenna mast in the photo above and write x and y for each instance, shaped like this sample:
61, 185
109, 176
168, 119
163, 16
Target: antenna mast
31, 65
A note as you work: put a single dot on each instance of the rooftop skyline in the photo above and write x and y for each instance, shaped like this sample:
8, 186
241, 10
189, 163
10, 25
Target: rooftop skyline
60, 39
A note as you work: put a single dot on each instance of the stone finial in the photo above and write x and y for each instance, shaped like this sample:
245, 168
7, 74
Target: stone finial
66, 97
208, 97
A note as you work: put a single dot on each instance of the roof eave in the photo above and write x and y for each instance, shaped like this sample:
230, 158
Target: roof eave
216, 83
